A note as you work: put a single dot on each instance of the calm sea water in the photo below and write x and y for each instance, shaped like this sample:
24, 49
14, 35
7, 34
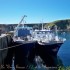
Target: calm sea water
64, 51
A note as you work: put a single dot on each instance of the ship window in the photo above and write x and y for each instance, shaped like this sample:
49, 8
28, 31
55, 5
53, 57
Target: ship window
44, 32
40, 32
37, 32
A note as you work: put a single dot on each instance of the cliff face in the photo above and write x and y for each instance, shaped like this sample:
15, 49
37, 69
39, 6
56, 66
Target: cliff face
61, 24
5, 42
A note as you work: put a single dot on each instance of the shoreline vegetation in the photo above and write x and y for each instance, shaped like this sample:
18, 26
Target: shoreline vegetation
62, 25
64, 68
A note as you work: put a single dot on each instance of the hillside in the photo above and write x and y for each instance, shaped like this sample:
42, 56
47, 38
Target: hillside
61, 24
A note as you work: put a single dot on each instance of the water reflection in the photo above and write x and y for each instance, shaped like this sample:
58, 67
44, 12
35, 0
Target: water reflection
60, 63
64, 53
64, 34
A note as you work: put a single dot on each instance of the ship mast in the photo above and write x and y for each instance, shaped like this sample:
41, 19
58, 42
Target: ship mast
42, 24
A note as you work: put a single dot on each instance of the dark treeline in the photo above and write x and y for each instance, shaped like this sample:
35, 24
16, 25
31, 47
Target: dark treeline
61, 25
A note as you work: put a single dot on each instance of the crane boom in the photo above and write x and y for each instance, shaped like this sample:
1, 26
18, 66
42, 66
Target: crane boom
21, 21
16, 29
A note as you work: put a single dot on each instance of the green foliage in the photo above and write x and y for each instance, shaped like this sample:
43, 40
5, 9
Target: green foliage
49, 24
61, 24
64, 68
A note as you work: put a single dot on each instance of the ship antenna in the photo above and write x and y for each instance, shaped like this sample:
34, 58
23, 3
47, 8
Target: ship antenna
42, 24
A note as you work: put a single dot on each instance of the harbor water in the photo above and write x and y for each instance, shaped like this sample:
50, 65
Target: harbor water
64, 51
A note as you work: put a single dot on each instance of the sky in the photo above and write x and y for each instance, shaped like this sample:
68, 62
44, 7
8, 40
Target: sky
12, 11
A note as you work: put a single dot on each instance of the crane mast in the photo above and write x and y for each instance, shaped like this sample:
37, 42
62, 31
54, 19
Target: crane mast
21, 21
16, 29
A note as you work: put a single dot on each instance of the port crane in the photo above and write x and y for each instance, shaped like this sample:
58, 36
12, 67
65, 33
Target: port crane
16, 29
21, 21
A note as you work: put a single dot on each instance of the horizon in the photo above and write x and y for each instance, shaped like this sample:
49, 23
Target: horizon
40, 22
37, 11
